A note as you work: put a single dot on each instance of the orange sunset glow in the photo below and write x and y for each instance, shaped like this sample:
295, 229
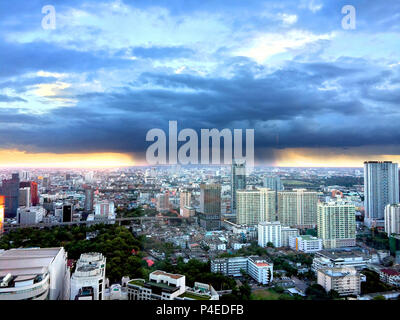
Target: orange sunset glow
22, 159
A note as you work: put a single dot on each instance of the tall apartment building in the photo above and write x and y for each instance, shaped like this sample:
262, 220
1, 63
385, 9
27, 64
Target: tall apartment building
238, 181
273, 183
270, 232
210, 206
88, 280
337, 224
255, 206
34, 274
10, 189
298, 208
381, 187
346, 280
392, 219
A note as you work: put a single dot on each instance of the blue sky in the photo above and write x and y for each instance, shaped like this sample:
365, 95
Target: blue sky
113, 70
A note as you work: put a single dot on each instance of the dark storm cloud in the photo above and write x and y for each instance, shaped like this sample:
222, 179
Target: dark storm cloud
285, 104
306, 102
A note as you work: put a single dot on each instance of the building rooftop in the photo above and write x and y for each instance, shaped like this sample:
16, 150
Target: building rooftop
33, 261
163, 273
390, 272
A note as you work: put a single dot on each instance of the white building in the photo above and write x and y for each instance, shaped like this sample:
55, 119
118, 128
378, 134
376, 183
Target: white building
255, 206
30, 215
116, 292
286, 233
305, 243
298, 208
392, 219
168, 286
260, 269
34, 274
231, 267
269, 232
381, 187
88, 280
346, 281
337, 224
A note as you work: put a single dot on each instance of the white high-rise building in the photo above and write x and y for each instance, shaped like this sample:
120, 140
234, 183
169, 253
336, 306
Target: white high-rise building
269, 232
254, 206
298, 208
381, 187
392, 219
337, 224
88, 280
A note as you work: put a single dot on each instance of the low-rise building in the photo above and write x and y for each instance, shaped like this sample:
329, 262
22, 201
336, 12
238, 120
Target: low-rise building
168, 286
305, 243
231, 267
341, 258
257, 267
260, 269
390, 276
345, 281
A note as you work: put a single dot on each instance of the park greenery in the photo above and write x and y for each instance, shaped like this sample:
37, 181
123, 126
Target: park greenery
124, 252
373, 283
375, 239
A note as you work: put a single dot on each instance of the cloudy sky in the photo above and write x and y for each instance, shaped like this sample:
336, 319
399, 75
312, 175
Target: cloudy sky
87, 92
